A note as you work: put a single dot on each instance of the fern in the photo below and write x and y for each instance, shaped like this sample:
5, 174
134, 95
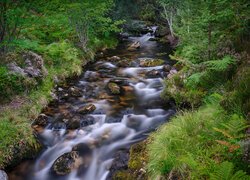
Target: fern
194, 80
226, 172
220, 65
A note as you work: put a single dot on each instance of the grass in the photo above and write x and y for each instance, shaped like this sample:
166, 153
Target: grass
195, 144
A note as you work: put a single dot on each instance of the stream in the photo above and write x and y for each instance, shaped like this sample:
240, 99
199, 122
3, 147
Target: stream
113, 104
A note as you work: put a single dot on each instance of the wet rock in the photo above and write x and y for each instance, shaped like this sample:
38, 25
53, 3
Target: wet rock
124, 35
66, 163
114, 88
120, 81
166, 68
3, 175
104, 66
153, 39
83, 149
86, 109
134, 46
114, 58
75, 92
92, 76
124, 63
148, 62
41, 121
73, 123
87, 120
153, 74
162, 31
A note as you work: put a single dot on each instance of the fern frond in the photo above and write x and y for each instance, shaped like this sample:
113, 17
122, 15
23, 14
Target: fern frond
224, 132
240, 175
221, 64
224, 172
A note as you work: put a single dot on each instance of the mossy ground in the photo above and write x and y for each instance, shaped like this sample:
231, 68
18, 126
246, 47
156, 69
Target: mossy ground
138, 158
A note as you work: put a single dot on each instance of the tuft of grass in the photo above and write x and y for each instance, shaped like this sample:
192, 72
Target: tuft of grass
194, 144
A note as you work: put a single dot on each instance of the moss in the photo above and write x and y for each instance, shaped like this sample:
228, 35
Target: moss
151, 62
138, 157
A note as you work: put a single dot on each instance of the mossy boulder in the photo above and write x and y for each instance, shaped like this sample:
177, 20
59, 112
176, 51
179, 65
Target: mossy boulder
149, 62
136, 165
66, 163
114, 88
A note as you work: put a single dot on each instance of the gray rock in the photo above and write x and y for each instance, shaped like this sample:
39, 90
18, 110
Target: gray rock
3, 175
34, 65
167, 68
14, 68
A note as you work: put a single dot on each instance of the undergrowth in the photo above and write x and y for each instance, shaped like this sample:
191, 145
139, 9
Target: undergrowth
199, 145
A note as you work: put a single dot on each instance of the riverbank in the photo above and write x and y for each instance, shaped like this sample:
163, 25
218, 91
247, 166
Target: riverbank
44, 49
17, 138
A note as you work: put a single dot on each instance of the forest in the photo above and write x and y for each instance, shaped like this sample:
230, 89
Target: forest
124, 89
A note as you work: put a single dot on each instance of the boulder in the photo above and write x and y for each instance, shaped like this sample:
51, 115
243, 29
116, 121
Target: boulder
153, 39
114, 88
83, 149
86, 109
66, 163
124, 35
134, 46
166, 68
87, 120
149, 62
120, 81
73, 123
162, 31
14, 68
153, 74
75, 91
41, 121
34, 65
3, 175
114, 58
124, 63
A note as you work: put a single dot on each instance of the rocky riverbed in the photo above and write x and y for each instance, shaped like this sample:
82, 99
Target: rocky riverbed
91, 123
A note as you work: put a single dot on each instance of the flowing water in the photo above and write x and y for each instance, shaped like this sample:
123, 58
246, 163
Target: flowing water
117, 121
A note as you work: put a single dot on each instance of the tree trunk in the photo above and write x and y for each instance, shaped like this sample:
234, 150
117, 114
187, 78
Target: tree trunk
209, 40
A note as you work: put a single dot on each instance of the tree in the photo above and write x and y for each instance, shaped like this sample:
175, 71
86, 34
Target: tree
170, 10
11, 19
